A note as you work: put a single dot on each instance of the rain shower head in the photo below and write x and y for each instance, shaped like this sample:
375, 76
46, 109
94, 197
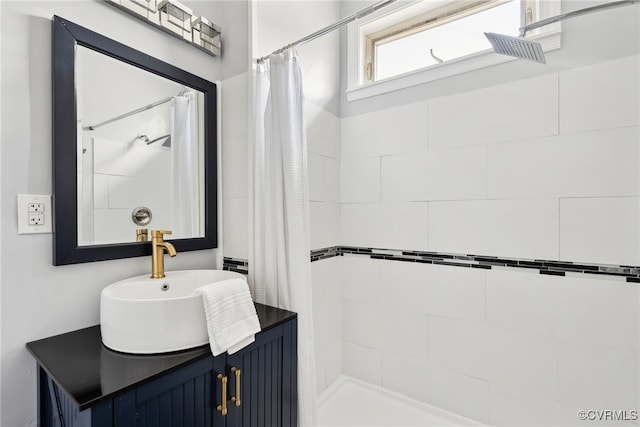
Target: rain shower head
518, 47
165, 143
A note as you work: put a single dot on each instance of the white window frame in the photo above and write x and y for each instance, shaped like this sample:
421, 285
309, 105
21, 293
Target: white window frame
361, 33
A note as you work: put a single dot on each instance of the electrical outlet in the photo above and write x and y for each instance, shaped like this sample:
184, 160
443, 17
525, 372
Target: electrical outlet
34, 213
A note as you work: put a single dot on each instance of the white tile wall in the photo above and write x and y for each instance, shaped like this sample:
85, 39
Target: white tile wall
450, 174
325, 279
523, 300
457, 292
523, 109
600, 96
360, 179
323, 131
526, 228
333, 363
458, 345
100, 191
445, 389
403, 333
331, 179
325, 222
325, 217
579, 309
107, 157
363, 363
510, 406
360, 279
433, 289
601, 230
129, 192
522, 359
235, 221
535, 328
127, 176
235, 99
597, 163
235, 164
361, 324
324, 178
112, 225
374, 225
591, 311
316, 177
598, 377
392, 131
543, 168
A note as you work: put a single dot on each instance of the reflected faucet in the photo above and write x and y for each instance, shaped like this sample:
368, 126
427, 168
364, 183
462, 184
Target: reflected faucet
158, 246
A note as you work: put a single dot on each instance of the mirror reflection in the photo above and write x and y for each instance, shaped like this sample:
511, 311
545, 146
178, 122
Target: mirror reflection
140, 145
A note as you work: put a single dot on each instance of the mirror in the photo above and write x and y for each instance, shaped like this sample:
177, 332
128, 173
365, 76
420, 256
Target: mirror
134, 147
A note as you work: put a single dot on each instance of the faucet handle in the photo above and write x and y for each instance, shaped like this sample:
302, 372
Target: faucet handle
157, 234
142, 234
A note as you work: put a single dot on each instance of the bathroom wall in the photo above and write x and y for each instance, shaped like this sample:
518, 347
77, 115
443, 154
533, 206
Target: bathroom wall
275, 24
505, 162
39, 300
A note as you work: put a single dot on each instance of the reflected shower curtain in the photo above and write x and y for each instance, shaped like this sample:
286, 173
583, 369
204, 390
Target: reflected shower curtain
184, 164
281, 267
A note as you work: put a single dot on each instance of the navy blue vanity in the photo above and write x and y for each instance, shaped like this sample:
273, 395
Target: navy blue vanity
83, 383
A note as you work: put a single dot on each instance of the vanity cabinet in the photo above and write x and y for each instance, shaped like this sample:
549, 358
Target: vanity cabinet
257, 385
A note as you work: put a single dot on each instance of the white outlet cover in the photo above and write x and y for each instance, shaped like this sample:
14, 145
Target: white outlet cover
23, 213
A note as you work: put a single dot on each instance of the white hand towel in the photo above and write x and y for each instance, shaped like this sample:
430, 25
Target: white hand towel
232, 321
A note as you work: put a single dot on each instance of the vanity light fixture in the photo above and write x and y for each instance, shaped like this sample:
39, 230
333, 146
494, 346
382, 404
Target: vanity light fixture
176, 19
175, 14
206, 33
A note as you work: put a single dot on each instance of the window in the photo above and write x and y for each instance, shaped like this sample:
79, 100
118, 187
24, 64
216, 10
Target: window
442, 35
431, 39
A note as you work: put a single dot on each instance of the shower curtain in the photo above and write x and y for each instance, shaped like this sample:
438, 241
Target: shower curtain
281, 268
185, 167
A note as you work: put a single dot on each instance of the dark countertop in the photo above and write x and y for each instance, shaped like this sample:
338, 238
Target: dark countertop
89, 372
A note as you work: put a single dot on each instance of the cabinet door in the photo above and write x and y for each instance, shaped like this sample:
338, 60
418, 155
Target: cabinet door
268, 380
184, 398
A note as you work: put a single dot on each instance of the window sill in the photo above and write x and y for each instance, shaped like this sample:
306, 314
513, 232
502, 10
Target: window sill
550, 41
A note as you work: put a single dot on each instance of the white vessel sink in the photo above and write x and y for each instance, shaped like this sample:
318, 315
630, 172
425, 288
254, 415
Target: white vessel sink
143, 315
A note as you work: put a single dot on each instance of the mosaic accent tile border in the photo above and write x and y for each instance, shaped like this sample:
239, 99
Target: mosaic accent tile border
235, 264
324, 253
547, 267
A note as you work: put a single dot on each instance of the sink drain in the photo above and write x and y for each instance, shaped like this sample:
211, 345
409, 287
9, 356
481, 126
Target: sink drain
165, 286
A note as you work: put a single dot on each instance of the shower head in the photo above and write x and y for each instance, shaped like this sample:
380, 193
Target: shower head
518, 47
165, 143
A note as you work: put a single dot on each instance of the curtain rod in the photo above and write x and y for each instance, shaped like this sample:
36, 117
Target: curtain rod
329, 28
130, 113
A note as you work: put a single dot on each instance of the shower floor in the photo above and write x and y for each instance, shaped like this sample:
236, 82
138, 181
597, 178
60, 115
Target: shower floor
350, 402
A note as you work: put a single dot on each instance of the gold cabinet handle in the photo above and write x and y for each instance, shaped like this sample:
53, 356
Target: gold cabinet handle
236, 398
223, 383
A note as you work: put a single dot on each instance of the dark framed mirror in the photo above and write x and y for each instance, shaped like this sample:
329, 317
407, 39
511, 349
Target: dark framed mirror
120, 138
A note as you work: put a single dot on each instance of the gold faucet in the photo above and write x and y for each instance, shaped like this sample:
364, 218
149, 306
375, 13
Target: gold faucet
158, 246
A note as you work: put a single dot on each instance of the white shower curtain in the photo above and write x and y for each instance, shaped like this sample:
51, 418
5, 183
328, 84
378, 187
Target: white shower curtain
185, 167
281, 268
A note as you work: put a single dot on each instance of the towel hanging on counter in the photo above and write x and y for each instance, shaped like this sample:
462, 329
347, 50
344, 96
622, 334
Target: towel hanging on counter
232, 321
